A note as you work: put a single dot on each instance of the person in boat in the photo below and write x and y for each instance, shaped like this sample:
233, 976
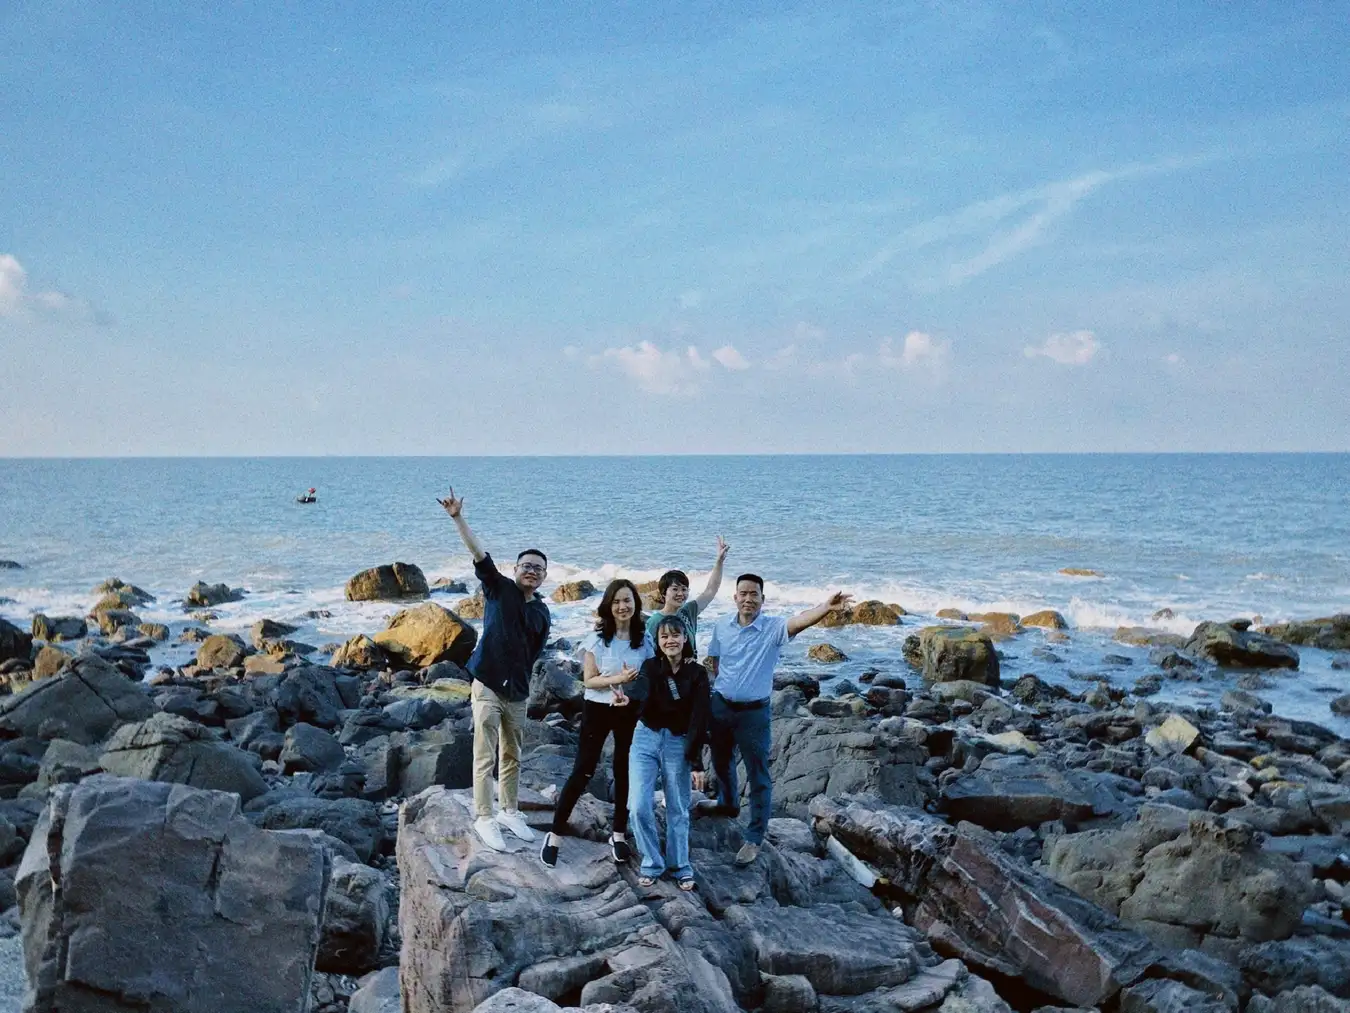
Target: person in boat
308, 497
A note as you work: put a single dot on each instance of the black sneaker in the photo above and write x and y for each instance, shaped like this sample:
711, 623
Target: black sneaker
548, 854
619, 849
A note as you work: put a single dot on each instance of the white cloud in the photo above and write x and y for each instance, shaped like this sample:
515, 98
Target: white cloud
697, 360
13, 281
1075, 349
729, 358
17, 299
1172, 359
919, 349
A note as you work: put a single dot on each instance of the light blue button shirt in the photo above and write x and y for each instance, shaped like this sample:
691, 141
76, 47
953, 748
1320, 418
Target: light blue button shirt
747, 656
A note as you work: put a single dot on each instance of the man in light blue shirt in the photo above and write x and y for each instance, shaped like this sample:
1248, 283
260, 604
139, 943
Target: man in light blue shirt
741, 657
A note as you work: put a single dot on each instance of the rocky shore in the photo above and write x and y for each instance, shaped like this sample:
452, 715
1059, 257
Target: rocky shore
276, 827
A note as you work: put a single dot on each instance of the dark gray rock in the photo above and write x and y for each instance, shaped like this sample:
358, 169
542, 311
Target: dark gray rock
14, 642
555, 687
1169, 997
1285, 964
1235, 645
166, 747
811, 756
379, 993
204, 595
309, 694
1008, 792
353, 920
356, 822
53, 629
84, 703
309, 748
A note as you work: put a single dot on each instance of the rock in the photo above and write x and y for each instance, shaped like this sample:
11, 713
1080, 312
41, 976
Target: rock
950, 653
361, 653
951, 613
1234, 645
310, 748
472, 606
61, 628
448, 585
135, 596
9, 564
1168, 997
203, 595
442, 758
353, 821
826, 654
49, 661
309, 694
449, 692
1074, 571
1307, 999
1147, 685
66, 762
475, 922
814, 755
427, 634
131, 889
221, 651
387, 583
265, 630
111, 620
1284, 964
14, 642
555, 687
1340, 705
1031, 690
788, 993
1008, 792
1242, 702
1175, 735
263, 664
353, 920
157, 632
1047, 618
166, 747
998, 623
83, 703
986, 908
1182, 877
379, 993
1142, 636
865, 613
1330, 634
574, 590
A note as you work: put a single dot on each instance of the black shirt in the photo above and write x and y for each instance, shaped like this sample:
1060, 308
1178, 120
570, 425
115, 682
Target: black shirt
682, 708
515, 630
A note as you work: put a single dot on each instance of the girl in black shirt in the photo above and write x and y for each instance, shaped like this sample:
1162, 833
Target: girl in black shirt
672, 696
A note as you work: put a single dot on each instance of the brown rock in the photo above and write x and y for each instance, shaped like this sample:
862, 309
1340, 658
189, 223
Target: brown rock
1047, 618
949, 653
865, 613
421, 636
573, 590
956, 614
49, 661
111, 620
1142, 636
388, 583
359, 652
221, 651
1004, 623
1331, 633
471, 607
53, 630
1074, 571
826, 653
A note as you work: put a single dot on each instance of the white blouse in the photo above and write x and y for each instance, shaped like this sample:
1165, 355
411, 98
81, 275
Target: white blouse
610, 659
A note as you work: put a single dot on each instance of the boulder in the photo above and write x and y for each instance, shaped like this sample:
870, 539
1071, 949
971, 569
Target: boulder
353, 920
166, 747
135, 596
110, 620
60, 628
1184, 877
555, 687
1143, 636
309, 694
379, 993
157, 632
14, 642
388, 583
1306, 999
1169, 997
353, 821
308, 749
573, 590
1284, 964
957, 652
138, 895
66, 762
475, 922
83, 703
1330, 634
264, 631
814, 755
864, 613
221, 651
438, 757
49, 661
1234, 645
1175, 735
1004, 624
979, 904
471, 607
826, 654
361, 653
203, 595
1012, 791
422, 636
1047, 619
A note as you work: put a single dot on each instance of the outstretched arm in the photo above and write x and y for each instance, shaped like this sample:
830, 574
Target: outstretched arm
714, 578
805, 620
455, 508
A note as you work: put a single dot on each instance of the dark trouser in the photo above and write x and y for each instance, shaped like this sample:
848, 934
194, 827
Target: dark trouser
746, 728
598, 720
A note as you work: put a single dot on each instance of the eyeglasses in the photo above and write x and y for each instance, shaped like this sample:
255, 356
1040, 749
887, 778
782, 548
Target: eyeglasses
530, 568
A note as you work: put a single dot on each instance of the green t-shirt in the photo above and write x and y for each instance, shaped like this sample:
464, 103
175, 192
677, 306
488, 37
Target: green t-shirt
688, 613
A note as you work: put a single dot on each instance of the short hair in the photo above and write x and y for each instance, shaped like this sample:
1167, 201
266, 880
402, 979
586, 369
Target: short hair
756, 578
532, 552
671, 577
675, 622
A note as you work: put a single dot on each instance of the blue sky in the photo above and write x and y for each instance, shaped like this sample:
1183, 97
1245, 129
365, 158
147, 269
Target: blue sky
462, 228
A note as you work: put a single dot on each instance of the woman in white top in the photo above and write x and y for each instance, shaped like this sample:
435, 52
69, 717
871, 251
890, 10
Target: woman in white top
611, 660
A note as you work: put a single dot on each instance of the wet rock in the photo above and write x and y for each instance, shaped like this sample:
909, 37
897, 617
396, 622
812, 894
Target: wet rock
574, 590
809, 685
864, 613
1241, 702
387, 583
14, 642
1169, 659
1234, 645
49, 661
1032, 690
361, 653
1004, 624
157, 632
1341, 705
826, 654
555, 687
1306, 999
133, 889
166, 747
111, 620
204, 595
1330, 634
425, 635
1143, 636
60, 628
83, 703
221, 651
1047, 619
1147, 685
950, 653
1077, 571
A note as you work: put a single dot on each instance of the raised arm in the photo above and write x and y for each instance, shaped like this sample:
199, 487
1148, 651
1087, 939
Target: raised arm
805, 620
714, 578
455, 508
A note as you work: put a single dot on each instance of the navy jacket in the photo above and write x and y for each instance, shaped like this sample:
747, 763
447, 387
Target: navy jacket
514, 633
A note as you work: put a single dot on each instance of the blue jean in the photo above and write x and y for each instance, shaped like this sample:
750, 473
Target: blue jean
659, 754
749, 731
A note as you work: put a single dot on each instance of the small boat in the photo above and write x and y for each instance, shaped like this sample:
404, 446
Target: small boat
307, 497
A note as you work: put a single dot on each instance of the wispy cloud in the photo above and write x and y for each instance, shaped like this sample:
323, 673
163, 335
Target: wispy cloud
668, 371
729, 358
1077, 348
17, 299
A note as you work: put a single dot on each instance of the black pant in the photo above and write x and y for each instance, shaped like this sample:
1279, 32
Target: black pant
598, 720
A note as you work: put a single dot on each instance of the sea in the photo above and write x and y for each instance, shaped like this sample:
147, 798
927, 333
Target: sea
1172, 540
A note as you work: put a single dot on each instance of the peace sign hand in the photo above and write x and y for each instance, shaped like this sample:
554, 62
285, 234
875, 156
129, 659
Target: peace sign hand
722, 549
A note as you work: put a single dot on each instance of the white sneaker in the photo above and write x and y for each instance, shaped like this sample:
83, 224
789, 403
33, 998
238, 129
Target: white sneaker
515, 822
486, 829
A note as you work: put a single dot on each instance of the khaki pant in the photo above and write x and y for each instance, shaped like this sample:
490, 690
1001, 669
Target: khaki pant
498, 731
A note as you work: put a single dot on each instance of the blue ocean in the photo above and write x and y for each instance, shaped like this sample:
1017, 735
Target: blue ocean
1204, 536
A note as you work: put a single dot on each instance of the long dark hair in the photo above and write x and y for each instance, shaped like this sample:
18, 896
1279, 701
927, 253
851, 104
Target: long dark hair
604, 612
679, 624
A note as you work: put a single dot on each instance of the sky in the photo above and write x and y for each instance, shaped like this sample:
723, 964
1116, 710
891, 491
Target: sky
498, 228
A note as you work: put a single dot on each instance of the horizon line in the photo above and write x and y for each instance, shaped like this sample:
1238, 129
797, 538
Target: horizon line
727, 454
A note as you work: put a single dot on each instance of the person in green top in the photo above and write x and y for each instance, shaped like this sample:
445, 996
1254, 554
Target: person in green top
673, 589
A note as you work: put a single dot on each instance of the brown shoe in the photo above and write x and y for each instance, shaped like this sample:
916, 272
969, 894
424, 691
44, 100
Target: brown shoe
748, 853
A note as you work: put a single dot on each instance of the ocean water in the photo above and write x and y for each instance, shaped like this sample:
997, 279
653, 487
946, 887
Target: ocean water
1207, 536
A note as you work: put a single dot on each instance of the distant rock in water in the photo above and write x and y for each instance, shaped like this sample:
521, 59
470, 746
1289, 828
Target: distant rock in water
865, 613
951, 653
133, 595
203, 595
59, 628
1234, 645
826, 653
14, 642
388, 583
9, 564
1074, 571
1047, 619
573, 590
1330, 634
